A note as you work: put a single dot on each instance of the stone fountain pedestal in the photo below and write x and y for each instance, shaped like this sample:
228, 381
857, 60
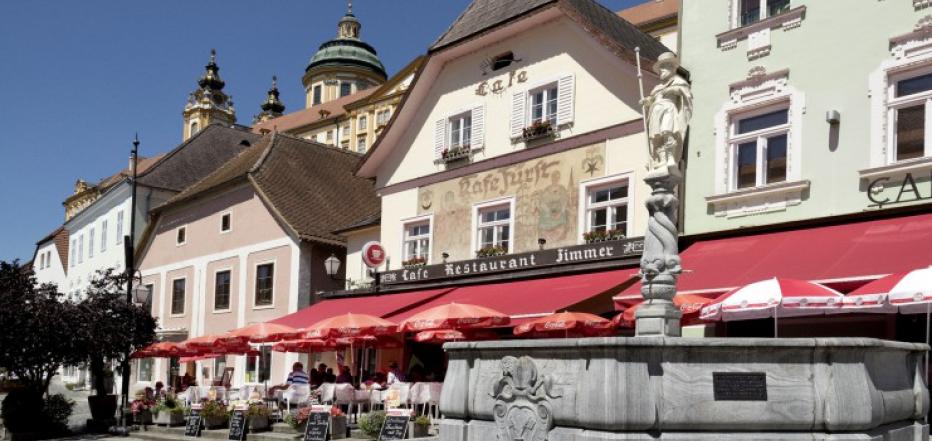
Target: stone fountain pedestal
658, 388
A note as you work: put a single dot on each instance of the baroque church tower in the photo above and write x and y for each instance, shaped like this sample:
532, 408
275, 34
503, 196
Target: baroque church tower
208, 103
272, 107
342, 66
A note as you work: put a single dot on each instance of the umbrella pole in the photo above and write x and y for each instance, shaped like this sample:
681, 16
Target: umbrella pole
775, 323
928, 306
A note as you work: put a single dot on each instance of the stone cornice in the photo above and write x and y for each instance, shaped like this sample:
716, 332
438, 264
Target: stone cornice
787, 20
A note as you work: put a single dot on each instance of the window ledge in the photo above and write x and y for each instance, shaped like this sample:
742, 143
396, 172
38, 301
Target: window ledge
902, 167
222, 311
272, 306
764, 199
788, 20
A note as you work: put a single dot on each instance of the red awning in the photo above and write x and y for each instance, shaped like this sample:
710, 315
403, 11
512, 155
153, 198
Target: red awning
840, 256
537, 297
377, 305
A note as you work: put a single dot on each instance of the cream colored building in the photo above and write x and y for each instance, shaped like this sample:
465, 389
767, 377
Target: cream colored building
514, 134
658, 18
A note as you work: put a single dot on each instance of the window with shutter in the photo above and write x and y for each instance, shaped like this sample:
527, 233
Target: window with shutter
518, 101
565, 99
440, 130
478, 127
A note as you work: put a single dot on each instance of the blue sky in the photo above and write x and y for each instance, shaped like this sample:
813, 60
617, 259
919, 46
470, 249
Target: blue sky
78, 78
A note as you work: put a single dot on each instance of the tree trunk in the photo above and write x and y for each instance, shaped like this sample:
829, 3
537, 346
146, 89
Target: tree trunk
97, 375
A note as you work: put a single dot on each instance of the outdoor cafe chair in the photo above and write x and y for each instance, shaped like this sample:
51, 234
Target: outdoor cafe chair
297, 395
375, 399
327, 393
433, 401
418, 396
345, 395
404, 393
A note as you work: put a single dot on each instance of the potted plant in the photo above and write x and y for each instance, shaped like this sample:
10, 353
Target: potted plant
297, 419
491, 251
421, 426
414, 261
257, 413
537, 129
168, 411
214, 413
141, 407
371, 423
337, 423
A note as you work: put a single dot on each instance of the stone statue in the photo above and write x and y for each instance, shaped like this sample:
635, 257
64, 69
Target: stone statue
667, 111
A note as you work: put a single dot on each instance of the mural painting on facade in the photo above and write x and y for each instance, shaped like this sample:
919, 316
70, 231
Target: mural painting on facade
545, 194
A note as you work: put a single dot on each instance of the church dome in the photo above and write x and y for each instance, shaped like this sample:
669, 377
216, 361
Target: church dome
347, 50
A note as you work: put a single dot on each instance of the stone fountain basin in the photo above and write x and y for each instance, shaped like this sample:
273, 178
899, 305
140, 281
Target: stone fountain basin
657, 385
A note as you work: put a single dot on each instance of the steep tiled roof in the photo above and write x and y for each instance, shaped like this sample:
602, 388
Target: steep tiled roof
482, 15
371, 220
333, 109
309, 186
650, 11
116, 178
197, 157
60, 236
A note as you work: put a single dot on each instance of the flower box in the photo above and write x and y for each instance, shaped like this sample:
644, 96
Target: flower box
603, 236
491, 251
215, 421
454, 154
414, 261
258, 423
338, 427
169, 418
537, 130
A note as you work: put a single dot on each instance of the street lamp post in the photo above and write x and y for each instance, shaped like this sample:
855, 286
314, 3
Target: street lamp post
129, 251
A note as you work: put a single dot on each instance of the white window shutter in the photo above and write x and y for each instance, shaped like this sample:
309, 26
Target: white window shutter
440, 136
565, 99
477, 137
518, 102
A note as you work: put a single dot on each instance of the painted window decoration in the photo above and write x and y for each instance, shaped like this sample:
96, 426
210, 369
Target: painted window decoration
758, 148
119, 227
181, 235
494, 230
752, 11
264, 282
222, 290
178, 294
416, 243
144, 370
606, 212
103, 236
909, 109
225, 224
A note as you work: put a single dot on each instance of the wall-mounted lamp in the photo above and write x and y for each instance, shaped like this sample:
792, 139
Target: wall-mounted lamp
832, 117
445, 256
332, 266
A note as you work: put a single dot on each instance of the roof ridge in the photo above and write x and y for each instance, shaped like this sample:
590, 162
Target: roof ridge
450, 28
265, 154
319, 144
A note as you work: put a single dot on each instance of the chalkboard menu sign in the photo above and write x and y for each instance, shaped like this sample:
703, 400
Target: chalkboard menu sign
318, 424
238, 425
396, 425
193, 427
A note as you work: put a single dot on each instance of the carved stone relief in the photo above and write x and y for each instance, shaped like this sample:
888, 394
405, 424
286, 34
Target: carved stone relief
523, 409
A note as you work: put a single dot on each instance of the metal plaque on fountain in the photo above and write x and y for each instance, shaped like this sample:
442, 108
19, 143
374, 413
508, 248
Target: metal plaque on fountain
739, 386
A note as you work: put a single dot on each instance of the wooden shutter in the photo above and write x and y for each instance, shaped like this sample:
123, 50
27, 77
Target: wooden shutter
440, 137
565, 99
477, 137
518, 103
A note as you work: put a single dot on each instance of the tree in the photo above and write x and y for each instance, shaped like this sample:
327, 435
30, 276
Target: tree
110, 326
37, 328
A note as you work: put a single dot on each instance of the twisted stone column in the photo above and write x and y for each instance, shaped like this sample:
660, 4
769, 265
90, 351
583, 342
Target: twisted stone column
660, 262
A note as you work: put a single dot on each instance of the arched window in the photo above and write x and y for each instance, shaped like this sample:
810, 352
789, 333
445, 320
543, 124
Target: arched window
194, 128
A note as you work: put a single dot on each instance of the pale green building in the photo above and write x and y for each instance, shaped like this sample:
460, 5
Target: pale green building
805, 109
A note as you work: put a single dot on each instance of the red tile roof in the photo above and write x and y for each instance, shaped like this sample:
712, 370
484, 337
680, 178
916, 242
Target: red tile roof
650, 11
333, 109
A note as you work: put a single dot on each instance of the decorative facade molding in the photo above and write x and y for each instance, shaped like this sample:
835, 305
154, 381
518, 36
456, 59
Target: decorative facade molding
758, 33
757, 200
897, 169
921, 4
523, 408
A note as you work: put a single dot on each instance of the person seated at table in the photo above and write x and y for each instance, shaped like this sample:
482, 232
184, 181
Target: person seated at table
159, 390
329, 377
345, 376
187, 380
395, 375
296, 376
318, 375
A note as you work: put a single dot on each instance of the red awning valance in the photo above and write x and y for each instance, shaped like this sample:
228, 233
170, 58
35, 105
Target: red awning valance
537, 297
840, 256
377, 305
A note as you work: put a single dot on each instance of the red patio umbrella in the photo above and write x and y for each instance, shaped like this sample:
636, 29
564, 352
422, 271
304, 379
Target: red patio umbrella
303, 345
214, 341
350, 325
563, 324
445, 335
166, 349
689, 305
377, 342
456, 316
259, 333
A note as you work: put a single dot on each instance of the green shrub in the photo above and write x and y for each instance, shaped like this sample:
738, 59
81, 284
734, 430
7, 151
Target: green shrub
24, 410
422, 420
371, 423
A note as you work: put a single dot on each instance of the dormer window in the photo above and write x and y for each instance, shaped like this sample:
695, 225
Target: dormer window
503, 60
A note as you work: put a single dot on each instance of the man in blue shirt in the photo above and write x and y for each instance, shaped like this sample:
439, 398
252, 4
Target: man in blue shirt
297, 375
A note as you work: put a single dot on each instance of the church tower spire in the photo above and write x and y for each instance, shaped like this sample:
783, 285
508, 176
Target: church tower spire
272, 107
349, 25
208, 103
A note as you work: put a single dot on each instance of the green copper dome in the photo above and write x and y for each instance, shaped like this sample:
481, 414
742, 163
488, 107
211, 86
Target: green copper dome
347, 50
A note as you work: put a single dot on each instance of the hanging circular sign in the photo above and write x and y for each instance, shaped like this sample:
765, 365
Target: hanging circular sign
373, 255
